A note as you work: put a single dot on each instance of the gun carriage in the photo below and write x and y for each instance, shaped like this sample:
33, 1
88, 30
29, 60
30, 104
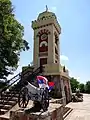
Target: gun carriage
36, 94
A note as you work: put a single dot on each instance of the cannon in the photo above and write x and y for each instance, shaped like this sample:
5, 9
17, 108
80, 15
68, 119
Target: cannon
36, 94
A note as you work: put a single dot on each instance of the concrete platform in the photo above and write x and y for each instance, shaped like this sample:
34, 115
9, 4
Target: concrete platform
81, 110
55, 112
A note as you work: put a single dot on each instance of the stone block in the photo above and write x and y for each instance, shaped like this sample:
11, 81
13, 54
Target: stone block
59, 101
55, 112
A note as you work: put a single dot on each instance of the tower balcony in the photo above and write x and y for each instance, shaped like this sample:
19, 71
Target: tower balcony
55, 69
65, 74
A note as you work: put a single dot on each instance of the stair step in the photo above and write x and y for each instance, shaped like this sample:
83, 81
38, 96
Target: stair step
9, 98
1, 105
7, 107
12, 92
8, 102
2, 118
9, 95
66, 109
14, 99
67, 113
3, 111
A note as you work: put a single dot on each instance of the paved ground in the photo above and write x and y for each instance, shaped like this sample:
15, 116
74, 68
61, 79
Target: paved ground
81, 110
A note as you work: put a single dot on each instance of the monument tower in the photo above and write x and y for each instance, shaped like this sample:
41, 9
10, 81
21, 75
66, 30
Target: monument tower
46, 48
46, 39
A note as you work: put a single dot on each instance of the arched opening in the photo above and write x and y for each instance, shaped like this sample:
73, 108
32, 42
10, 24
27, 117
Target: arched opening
66, 94
64, 70
43, 44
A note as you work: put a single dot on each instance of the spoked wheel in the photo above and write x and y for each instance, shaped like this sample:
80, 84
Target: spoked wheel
45, 100
23, 98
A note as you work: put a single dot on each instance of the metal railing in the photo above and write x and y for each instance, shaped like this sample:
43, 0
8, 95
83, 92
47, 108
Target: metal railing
20, 82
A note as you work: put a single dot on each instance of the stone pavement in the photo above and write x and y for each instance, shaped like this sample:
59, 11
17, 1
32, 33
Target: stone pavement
81, 110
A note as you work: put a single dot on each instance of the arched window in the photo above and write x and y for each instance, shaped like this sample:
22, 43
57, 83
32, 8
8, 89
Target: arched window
56, 38
43, 44
56, 51
43, 31
64, 70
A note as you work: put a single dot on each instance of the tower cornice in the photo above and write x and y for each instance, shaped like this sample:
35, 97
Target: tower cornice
39, 24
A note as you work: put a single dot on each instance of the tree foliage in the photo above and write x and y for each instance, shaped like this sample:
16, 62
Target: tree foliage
11, 39
82, 87
3, 84
74, 84
87, 87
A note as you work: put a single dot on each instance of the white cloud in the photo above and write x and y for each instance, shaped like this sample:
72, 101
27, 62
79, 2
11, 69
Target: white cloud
63, 58
64, 61
19, 69
78, 78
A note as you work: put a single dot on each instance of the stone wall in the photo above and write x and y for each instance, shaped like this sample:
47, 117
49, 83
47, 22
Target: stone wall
67, 87
57, 81
59, 101
57, 88
55, 112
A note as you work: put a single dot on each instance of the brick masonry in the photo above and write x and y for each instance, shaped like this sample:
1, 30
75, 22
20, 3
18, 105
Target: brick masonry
67, 90
55, 112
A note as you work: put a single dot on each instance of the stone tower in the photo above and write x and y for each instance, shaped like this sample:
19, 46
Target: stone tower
46, 39
47, 53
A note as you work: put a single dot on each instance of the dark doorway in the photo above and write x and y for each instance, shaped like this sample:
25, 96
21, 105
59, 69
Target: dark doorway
43, 61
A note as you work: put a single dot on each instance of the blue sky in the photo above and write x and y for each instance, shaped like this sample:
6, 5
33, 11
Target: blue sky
74, 18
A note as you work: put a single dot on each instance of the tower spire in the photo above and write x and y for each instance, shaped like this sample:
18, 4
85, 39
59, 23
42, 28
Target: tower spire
46, 8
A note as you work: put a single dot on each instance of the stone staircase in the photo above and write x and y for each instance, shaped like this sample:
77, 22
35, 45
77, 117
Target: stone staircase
9, 94
66, 111
7, 102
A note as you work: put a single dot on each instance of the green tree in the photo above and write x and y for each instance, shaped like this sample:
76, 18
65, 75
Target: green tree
3, 84
87, 87
82, 87
11, 39
74, 84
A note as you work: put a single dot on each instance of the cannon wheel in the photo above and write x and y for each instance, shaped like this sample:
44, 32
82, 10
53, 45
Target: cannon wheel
23, 98
45, 100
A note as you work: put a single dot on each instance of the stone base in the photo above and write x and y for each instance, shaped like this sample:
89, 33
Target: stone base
55, 112
64, 100
59, 101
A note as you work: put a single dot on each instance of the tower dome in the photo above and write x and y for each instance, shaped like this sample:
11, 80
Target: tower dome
46, 15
